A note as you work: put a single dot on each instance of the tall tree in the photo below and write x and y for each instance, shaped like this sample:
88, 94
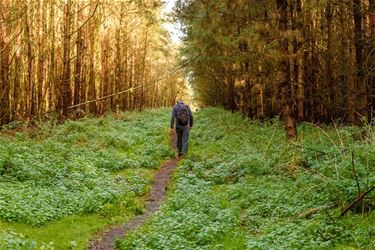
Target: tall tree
361, 85
66, 92
4, 64
285, 86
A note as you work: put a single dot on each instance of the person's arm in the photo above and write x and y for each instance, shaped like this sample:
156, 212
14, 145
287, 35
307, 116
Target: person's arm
191, 118
173, 117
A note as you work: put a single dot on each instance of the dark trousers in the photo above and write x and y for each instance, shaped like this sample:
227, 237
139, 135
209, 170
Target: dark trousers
182, 140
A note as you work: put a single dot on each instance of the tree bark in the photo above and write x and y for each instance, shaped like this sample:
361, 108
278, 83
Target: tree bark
53, 96
329, 57
30, 103
118, 68
371, 51
66, 92
300, 54
4, 66
17, 88
92, 82
285, 86
105, 79
79, 56
361, 85
41, 56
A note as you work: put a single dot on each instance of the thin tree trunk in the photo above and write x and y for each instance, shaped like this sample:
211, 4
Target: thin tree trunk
83, 95
300, 54
346, 75
286, 93
301, 88
131, 76
329, 69
4, 66
371, 50
52, 88
17, 88
92, 82
118, 69
66, 92
30, 104
79, 56
143, 72
105, 74
41, 56
125, 84
361, 85
295, 46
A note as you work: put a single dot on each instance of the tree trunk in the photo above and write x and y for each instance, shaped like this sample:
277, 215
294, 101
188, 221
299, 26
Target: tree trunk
4, 66
285, 86
131, 76
41, 56
118, 68
17, 88
79, 56
105, 74
30, 103
83, 87
125, 84
52, 85
371, 50
66, 92
361, 85
300, 54
301, 88
92, 82
329, 57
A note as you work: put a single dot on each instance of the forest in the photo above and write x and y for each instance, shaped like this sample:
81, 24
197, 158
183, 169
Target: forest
281, 154
58, 55
305, 60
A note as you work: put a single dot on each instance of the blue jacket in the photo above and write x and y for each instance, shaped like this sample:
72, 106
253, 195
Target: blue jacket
175, 110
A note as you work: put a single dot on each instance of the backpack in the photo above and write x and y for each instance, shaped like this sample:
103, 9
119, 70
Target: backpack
183, 115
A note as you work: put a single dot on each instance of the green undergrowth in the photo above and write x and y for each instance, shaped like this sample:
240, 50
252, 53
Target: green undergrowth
243, 186
60, 184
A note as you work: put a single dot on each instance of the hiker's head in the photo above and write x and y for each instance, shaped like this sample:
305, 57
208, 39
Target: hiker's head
180, 101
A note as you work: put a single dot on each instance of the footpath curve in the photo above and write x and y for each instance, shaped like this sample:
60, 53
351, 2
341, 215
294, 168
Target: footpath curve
107, 239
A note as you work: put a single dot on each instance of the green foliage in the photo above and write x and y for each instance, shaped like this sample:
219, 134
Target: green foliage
14, 241
243, 181
339, 157
195, 217
53, 172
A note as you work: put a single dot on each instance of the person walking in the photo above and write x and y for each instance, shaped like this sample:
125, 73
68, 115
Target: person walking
182, 120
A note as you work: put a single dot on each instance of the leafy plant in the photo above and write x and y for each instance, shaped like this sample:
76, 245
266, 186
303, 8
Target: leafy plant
243, 181
56, 171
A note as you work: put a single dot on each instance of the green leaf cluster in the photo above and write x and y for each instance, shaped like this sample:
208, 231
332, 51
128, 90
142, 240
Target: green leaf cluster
50, 172
244, 186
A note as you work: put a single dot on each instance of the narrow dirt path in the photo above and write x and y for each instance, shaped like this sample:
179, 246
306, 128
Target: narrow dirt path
157, 196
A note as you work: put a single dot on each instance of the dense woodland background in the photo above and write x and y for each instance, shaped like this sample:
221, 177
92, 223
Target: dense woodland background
56, 54
303, 60
309, 60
